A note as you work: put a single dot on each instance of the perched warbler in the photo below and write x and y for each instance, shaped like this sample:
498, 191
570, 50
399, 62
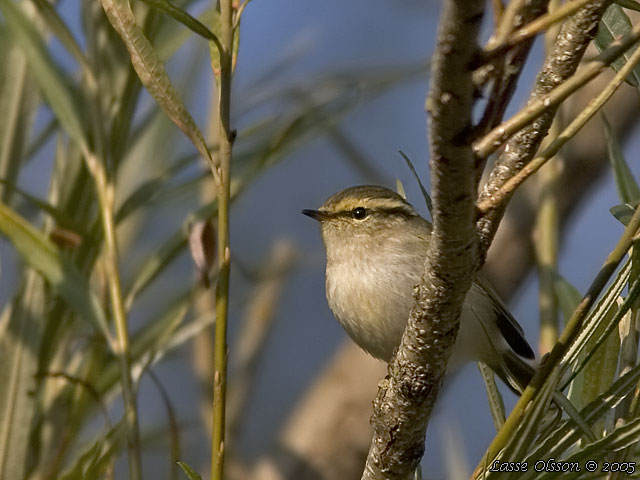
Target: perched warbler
376, 245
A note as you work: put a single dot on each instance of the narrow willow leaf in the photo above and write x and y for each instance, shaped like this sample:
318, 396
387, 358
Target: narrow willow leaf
149, 190
596, 315
183, 17
621, 437
169, 41
628, 355
604, 327
425, 194
189, 472
400, 189
573, 413
155, 265
97, 458
19, 343
151, 71
567, 434
600, 372
524, 437
57, 26
567, 296
41, 254
629, 4
46, 73
152, 341
18, 99
496, 403
624, 212
626, 185
215, 48
58, 215
615, 23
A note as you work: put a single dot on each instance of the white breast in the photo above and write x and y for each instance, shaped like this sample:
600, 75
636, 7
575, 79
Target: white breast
371, 295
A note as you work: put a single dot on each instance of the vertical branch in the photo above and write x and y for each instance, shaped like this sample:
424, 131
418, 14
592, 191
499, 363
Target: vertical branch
546, 248
547, 228
405, 399
105, 189
222, 288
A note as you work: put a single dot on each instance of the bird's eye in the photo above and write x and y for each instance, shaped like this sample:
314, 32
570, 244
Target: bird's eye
359, 213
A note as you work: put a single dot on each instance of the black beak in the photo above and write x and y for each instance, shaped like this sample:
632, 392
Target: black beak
315, 214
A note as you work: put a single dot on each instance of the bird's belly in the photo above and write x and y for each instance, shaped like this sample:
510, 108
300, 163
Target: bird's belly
374, 313
372, 310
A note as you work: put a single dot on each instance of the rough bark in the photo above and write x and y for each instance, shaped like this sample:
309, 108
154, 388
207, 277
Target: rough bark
406, 397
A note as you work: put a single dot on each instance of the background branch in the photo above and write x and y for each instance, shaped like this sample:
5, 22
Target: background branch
575, 35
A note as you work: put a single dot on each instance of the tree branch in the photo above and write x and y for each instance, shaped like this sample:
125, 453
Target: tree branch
406, 397
574, 37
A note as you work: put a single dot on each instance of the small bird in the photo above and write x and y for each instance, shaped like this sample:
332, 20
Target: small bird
376, 245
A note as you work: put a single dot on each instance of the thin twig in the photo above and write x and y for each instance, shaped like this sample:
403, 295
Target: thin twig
500, 197
225, 139
546, 229
540, 24
106, 194
496, 137
174, 428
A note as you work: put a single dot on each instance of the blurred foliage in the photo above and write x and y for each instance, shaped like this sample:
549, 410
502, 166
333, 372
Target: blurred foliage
73, 109
81, 117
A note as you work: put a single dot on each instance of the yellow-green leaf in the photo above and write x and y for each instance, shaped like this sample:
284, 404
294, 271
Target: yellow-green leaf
151, 71
41, 254
46, 73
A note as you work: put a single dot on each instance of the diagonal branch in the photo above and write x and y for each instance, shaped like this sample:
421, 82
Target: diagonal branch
405, 399
574, 37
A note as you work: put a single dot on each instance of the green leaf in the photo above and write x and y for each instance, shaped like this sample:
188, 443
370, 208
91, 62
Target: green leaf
215, 48
621, 437
149, 190
156, 264
151, 340
169, 41
629, 4
18, 101
61, 30
624, 212
604, 325
568, 434
151, 71
41, 254
596, 316
59, 216
521, 441
20, 339
626, 185
616, 23
567, 296
189, 472
93, 462
425, 194
496, 403
46, 73
600, 372
183, 17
